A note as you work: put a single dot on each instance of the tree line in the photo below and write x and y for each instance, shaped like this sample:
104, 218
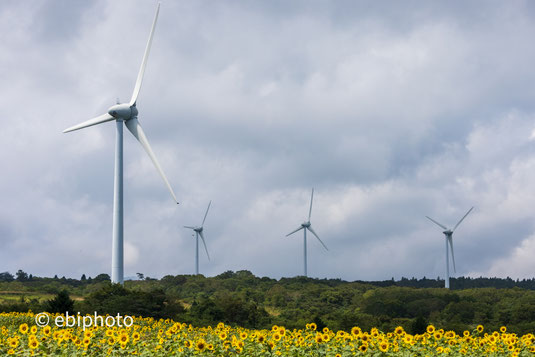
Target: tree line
240, 298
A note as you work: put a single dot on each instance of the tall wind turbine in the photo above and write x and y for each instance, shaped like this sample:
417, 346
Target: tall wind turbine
307, 226
449, 239
125, 113
198, 232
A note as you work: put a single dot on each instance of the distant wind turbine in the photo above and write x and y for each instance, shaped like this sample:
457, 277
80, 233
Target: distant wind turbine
198, 232
449, 239
307, 226
127, 113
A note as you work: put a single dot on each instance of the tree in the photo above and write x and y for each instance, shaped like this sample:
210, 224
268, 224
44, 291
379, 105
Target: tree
6, 276
21, 275
61, 303
140, 276
102, 277
83, 278
115, 298
419, 325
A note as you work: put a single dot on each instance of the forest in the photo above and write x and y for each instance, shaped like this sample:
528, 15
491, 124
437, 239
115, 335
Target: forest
242, 299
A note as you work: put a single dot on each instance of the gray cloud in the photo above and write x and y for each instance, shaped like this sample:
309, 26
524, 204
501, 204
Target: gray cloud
392, 111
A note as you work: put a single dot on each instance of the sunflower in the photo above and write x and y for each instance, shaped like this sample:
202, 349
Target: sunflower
46, 330
33, 344
223, 336
479, 328
503, 329
23, 329
200, 345
276, 336
243, 335
383, 346
363, 348
261, 339
123, 338
33, 330
313, 326
319, 338
399, 330
430, 329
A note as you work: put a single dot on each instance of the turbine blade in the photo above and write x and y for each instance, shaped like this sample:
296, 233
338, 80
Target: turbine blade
297, 230
100, 119
203, 242
462, 219
314, 233
144, 62
206, 214
450, 240
137, 131
310, 210
435, 222
190, 227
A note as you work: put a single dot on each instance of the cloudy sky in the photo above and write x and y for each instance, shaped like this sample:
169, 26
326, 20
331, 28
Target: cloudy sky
390, 110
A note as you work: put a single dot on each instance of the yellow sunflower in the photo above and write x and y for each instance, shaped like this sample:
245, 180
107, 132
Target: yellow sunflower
23, 329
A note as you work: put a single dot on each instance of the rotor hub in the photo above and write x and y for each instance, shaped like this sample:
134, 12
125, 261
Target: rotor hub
122, 111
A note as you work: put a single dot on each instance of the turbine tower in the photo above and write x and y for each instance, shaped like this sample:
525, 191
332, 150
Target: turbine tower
198, 232
125, 113
448, 233
307, 226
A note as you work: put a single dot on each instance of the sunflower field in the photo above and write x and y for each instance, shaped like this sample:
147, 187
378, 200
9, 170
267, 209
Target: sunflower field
20, 336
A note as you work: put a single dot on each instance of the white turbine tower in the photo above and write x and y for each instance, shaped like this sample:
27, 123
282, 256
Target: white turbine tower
449, 239
125, 113
198, 232
304, 226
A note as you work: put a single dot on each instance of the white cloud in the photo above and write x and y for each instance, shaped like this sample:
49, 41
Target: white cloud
390, 115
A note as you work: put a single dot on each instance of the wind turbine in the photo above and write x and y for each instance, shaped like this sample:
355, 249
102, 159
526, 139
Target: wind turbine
449, 239
198, 232
125, 113
307, 226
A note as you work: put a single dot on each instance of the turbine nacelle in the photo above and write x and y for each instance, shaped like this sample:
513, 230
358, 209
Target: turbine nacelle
198, 229
123, 111
448, 232
305, 224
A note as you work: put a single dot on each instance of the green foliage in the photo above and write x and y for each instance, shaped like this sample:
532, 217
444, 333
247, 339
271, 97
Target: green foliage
61, 303
114, 298
240, 298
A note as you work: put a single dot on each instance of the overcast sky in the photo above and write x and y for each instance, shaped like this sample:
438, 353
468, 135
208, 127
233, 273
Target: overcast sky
391, 110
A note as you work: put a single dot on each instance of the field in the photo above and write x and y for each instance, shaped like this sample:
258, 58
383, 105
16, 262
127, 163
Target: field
16, 296
148, 337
